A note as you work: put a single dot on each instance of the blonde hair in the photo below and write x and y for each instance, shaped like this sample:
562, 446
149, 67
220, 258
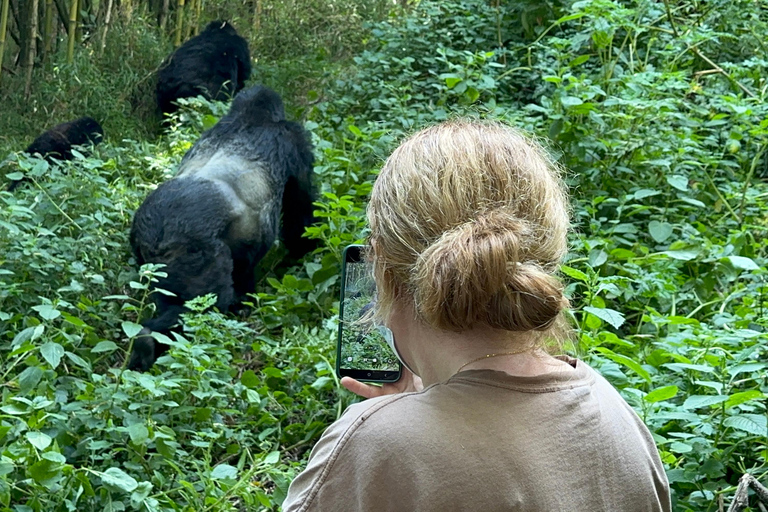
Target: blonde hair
469, 221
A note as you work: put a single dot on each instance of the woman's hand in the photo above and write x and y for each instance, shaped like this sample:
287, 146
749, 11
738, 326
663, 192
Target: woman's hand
408, 383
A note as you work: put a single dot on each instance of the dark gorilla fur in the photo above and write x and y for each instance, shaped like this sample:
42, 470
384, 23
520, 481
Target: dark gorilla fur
213, 222
216, 63
58, 141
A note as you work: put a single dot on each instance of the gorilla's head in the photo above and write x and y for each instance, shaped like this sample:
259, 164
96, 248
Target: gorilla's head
259, 105
221, 25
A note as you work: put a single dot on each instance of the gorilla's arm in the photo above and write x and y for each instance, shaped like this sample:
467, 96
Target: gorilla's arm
299, 194
146, 349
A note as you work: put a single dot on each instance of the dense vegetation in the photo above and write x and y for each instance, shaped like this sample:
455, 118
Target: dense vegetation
657, 111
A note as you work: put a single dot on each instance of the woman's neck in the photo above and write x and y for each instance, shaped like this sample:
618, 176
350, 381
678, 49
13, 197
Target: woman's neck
438, 355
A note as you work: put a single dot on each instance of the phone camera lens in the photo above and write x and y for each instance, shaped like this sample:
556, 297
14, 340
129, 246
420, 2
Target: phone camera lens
369, 374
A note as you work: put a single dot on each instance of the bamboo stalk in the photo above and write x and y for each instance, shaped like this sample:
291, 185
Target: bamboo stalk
71, 31
257, 15
3, 32
163, 18
107, 20
198, 10
179, 21
48, 26
32, 48
192, 7
81, 6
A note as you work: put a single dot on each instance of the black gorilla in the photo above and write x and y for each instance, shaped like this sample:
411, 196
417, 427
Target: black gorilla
213, 222
58, 141
216, 63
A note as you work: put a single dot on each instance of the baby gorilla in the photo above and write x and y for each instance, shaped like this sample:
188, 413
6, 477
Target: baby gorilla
58, 141
213, 222
215, 63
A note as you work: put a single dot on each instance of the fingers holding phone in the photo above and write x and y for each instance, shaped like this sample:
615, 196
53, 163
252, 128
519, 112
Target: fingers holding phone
408, 383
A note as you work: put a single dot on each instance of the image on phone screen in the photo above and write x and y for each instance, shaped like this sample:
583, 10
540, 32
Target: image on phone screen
362, 352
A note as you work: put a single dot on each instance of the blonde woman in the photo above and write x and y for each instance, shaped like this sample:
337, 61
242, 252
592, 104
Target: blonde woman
468, 224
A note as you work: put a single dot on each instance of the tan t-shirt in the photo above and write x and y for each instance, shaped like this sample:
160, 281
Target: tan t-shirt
488, 441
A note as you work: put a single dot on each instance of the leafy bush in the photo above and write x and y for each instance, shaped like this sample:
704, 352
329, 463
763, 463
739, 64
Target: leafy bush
667, 270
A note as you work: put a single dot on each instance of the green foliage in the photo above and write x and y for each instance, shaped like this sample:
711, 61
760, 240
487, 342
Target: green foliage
667, 272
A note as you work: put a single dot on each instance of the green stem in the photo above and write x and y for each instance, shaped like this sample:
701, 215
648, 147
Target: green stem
748, 180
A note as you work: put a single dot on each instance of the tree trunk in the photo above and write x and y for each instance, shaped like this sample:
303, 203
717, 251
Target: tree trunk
71, 31
107, 21
32, 49
179, 22
3, 31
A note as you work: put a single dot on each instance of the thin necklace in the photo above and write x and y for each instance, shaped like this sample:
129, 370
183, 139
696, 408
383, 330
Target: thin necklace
488, 356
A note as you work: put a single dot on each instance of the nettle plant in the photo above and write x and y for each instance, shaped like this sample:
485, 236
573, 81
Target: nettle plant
659, 117
662, 146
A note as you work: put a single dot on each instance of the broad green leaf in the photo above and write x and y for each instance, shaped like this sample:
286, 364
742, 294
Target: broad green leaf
661, 394
29, 378
697, 401
77, 360
581, 59
678, 181
39, 440
104, 346
625, 361
742, 263
660, 231
355, 130
116, 478
139, 433
320, 382
743, 397
272, 458
28, 334
682, 254
679, 447
746, 368
224, 471
74, 320
47, 312
209, 121
52, 353
622, 254
610, 316
688, 366
45, 469
644, 192
142, 492
570, 101
131, 329
250, 379
451, 82
574, 273
597, 258
570, 17
756, 424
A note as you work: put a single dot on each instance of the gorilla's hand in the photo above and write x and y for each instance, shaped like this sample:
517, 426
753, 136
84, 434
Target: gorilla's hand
143, 354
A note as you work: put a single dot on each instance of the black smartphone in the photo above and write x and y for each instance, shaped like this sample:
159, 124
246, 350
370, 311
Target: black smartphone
362, 351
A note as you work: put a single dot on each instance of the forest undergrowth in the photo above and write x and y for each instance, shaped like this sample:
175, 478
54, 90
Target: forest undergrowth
656, 111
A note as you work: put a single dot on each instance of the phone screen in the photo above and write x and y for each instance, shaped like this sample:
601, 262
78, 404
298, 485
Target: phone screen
362, 351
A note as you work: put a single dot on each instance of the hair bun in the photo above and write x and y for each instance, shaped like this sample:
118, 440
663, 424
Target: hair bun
478, 273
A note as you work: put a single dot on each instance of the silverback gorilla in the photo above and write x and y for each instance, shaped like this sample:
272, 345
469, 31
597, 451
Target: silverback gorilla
216, 63
212, 223
58, 141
